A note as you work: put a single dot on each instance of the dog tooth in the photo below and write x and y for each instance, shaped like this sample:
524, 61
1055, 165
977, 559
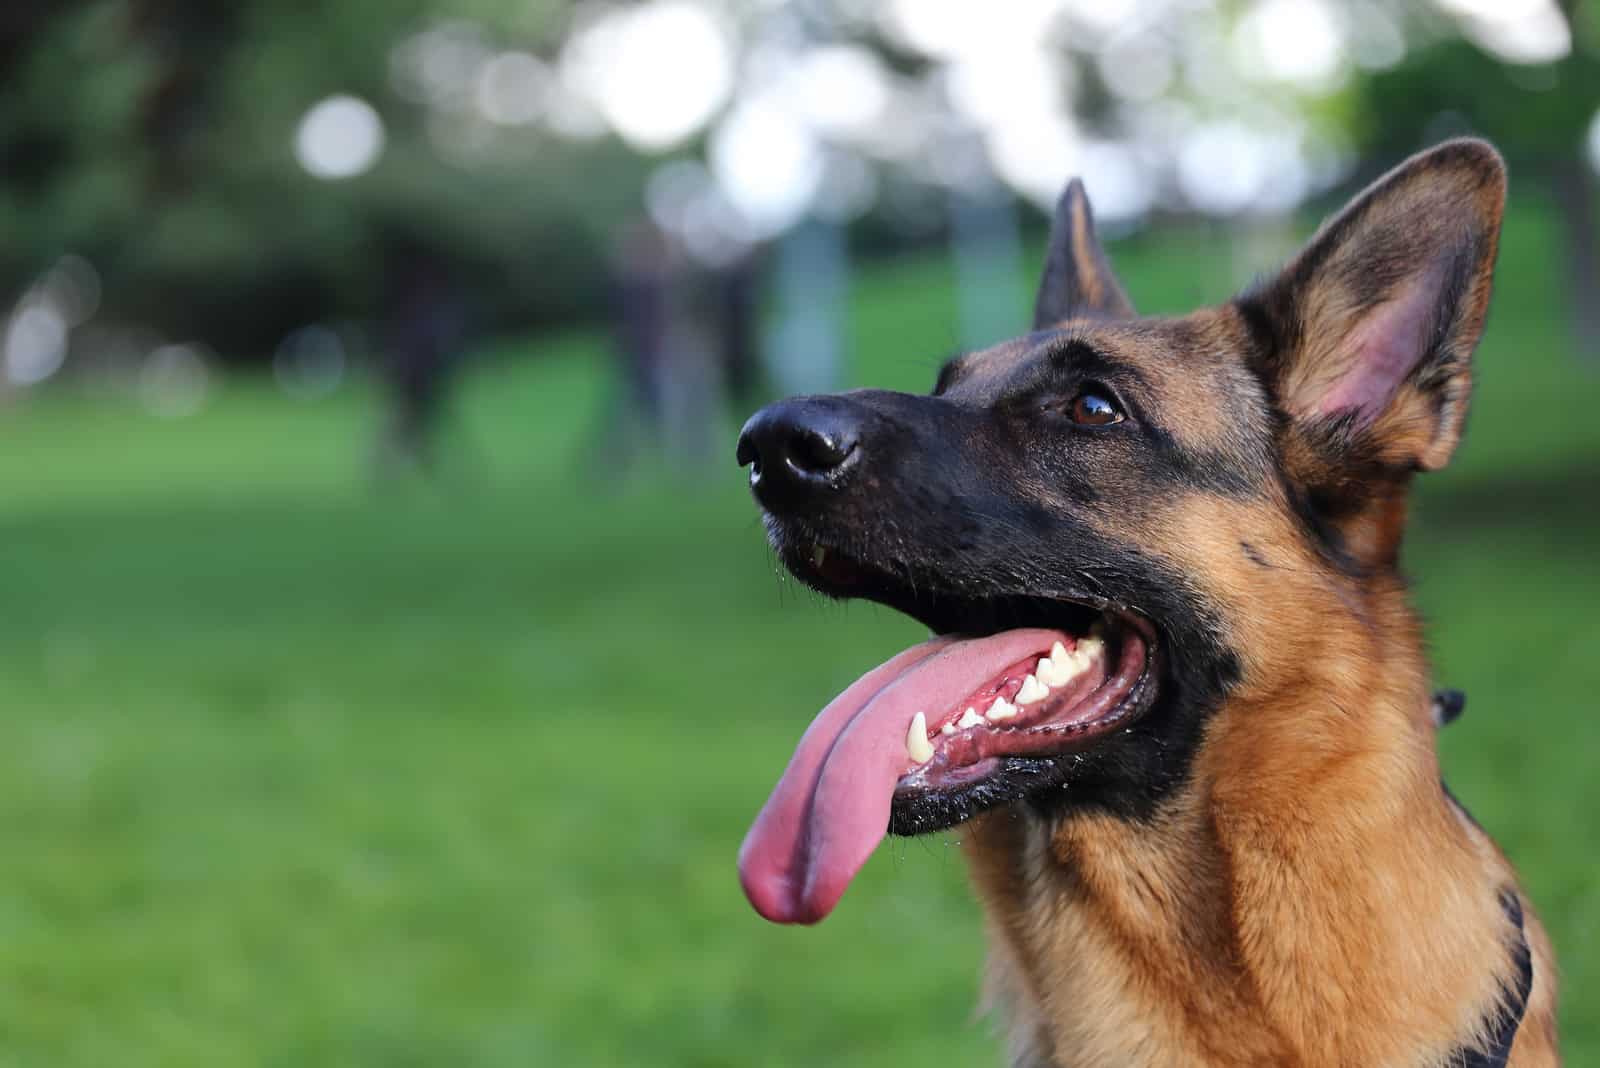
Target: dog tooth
969, 718
1032, 690
948, 728
1058, 653
917, 745
1001, 709
1091, 649
1063, 669
818, 554
1047, 671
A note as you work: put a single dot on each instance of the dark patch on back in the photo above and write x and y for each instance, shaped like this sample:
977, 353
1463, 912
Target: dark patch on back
1514, 990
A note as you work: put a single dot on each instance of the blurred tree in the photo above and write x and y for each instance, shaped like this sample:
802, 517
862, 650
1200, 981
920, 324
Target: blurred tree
172, 169
163, 140
1538, 115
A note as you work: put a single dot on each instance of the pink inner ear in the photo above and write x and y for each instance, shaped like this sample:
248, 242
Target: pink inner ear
1389, 342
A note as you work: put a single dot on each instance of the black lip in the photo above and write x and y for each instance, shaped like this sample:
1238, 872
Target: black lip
947, 606
922, 809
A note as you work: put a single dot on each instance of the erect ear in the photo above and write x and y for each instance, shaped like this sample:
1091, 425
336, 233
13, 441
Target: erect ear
1077, 282
1365, 339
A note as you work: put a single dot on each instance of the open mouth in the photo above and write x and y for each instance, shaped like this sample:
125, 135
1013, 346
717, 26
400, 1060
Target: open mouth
1006, 683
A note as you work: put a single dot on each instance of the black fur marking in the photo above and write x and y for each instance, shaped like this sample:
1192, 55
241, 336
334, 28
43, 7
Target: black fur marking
1133, 772
973, 521
1320, 533
1070, 363
1253, 554
1259, 321
1205, 471
1502, 1030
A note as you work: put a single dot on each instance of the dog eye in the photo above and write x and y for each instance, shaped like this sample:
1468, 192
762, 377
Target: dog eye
1093, 408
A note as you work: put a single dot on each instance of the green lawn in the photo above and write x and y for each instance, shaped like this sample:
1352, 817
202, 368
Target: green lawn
299, 773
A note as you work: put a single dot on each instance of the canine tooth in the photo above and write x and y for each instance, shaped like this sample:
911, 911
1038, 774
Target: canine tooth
917, 745
948, 728
1032, 690
1001, 709
818, 555
969, 718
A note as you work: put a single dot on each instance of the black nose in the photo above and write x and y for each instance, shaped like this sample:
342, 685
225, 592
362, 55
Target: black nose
800, 449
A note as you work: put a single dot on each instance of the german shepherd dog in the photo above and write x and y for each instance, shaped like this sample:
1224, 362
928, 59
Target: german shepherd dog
1175, 691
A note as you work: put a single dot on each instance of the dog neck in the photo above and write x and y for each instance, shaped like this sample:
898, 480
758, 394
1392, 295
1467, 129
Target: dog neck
1310, 897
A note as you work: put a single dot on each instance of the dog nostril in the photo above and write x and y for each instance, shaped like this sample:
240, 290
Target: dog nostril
799, 450
813, 452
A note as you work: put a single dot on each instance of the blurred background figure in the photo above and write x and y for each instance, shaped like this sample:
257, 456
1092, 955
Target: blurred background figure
642, 284
678, 332
423, 331
812, 283
459, 778
736, 301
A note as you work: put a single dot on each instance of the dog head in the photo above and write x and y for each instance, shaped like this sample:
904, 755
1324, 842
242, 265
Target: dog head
1115, 526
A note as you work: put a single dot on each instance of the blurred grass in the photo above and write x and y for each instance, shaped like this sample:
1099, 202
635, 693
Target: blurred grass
299, 773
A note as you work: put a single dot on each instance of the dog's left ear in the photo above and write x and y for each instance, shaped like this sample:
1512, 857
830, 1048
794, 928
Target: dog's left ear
1365, 340
1078, 281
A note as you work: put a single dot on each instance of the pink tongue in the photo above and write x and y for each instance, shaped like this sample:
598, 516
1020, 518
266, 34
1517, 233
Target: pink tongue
831, 808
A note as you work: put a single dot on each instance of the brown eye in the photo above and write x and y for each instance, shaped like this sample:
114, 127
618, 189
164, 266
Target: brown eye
1090, 408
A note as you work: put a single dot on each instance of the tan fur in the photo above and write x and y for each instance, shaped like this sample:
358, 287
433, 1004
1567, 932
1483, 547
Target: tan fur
1310, 897
1314, 832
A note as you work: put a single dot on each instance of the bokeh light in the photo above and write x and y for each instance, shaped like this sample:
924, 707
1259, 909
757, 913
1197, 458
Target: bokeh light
1592, 143
1294, 41
1517, 31
35, 342
656, 73
768, 164
340, 137
513, 88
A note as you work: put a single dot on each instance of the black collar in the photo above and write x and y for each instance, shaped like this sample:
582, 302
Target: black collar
1497, 1048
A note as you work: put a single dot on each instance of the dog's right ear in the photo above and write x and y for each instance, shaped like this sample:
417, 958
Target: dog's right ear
1078, 281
